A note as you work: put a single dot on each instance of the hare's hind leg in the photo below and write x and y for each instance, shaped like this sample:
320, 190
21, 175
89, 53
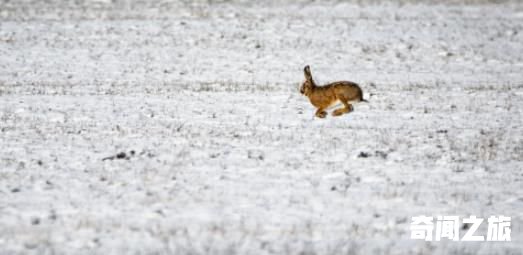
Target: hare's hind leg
321, 113
346, 109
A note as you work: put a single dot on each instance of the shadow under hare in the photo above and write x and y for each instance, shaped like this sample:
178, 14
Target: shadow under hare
322, 97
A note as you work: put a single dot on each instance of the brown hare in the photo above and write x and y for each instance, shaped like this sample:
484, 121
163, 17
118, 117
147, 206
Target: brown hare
322, 97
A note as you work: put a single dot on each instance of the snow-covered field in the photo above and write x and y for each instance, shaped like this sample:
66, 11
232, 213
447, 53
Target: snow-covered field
222, 153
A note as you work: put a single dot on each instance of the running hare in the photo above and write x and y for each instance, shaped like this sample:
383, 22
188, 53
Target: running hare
322, 97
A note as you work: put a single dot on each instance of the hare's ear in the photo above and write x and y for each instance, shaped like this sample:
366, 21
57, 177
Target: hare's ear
307, 72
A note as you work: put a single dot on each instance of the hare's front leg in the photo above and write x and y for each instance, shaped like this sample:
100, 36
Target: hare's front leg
321, 113
346, 109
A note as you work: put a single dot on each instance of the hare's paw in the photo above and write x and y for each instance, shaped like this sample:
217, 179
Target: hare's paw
343, 110
339, 112
321, 114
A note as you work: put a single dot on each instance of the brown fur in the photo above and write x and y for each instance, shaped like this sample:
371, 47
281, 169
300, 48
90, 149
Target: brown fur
324, 96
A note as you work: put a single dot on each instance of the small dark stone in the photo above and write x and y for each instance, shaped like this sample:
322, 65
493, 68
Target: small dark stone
363, 155
381, 154
120, 155
442, 131
52, 215
465, 226
255, 155
132, 152
39, 162
15, 190
333, 188
35, 221
257, 46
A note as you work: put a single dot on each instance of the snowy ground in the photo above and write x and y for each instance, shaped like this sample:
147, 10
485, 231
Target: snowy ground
223, 155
